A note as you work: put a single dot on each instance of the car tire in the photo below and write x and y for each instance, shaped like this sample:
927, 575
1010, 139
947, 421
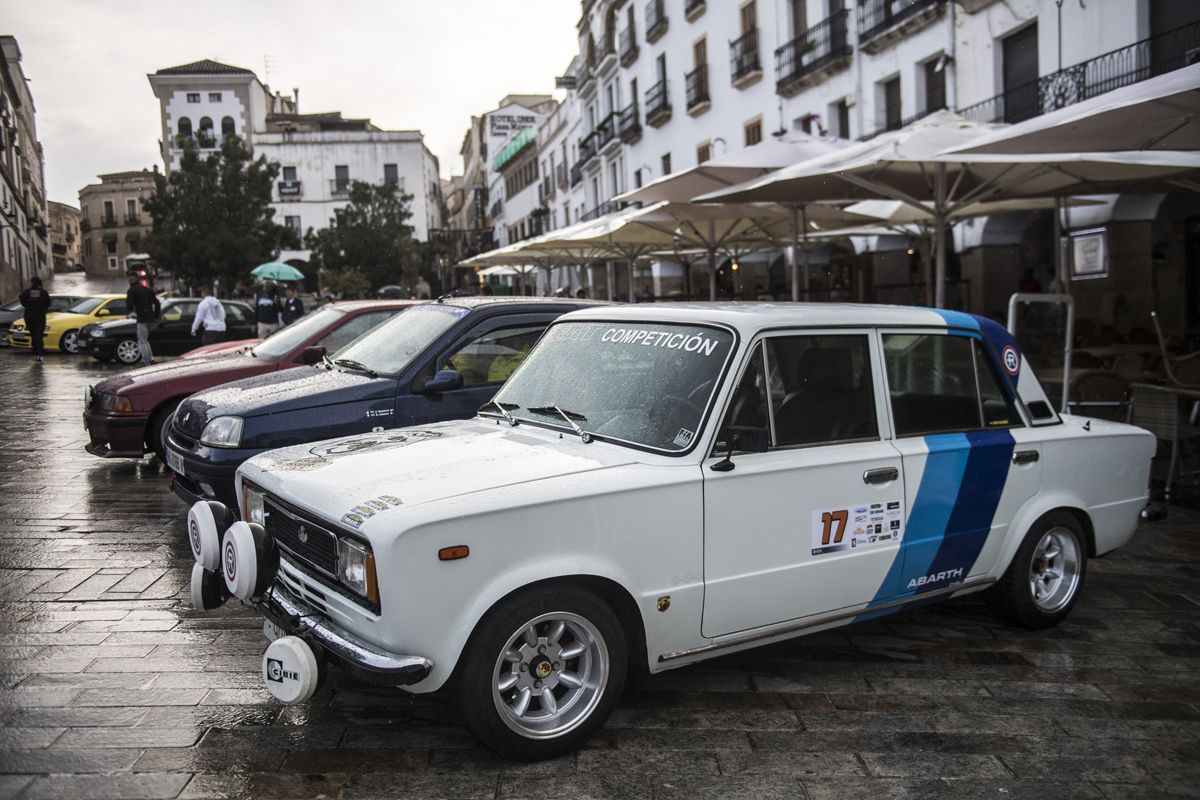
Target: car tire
1042, 584
69, 342
574, 680
156, 430
127, 351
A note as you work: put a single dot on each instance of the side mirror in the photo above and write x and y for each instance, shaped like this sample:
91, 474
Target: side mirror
311, 355
104, 312
748, 439
446, 380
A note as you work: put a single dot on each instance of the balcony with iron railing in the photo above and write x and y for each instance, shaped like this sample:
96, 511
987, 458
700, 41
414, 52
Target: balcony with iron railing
630, 125
880, 22
656, 20
577, 174
897, 124
658, 105
819, 51
1131, 64
696, 83
109, 220
692, 9
606, 131
338, 186
629, 46
560, 174
608, 53
290, 188
607, 207
133, 219
587, 149
745, 65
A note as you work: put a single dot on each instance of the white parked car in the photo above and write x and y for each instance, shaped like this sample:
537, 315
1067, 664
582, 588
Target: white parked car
659, 484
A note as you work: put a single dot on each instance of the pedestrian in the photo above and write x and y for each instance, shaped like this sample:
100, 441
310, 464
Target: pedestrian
142, 301
267, 310
36, 302
293, 307
210, 318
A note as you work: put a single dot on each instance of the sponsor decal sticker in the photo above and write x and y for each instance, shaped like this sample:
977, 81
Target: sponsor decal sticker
1012, 361
837, 529
353, 520
277, 673
694, 343
684, 437
230, 561
378, 505
364, 509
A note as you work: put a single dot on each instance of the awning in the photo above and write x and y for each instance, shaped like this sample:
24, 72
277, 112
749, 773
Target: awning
111, 236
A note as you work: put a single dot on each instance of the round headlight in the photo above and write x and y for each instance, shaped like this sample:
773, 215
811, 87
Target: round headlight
223, 432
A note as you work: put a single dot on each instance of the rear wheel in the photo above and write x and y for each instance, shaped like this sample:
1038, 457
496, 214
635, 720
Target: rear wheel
160, 424
1041, 585
542, 672
69, 343
127, 351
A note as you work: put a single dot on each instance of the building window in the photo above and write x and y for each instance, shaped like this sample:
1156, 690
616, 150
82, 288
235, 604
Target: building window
87, 246
131, 210
839, 112
293, 223
935, 84
391, 175
110, 213
113, 261
341, 179
110, 244
703, 152
637, 178
206, 132
184, 126
227, 127
753, 131
193, 97
214, 97
666, 164
892, 117
289, 174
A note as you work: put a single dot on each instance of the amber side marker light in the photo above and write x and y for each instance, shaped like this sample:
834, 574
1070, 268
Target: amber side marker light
454, 553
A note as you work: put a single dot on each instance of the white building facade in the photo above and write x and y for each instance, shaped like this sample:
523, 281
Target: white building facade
661, 85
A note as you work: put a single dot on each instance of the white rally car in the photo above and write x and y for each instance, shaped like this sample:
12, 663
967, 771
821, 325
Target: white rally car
658, 484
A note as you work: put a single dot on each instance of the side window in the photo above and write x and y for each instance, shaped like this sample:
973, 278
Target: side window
179, 311
932, 382
337, 339
821, 389
491, 357
235, 315
998, 410
748, 406
117, 308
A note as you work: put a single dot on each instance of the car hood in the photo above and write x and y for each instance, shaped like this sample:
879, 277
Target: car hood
196, 373
61, 321
290, 390
360, 479
109, 325
220, 348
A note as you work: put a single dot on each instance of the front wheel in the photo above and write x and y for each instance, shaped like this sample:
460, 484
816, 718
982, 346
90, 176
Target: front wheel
69, 343
128, 352
542, 672
1041, 585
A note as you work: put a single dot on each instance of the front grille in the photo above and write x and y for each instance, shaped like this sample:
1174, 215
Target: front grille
303, 538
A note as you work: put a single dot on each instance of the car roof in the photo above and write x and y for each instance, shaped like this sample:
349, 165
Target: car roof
473, 302
749, 318
356, 305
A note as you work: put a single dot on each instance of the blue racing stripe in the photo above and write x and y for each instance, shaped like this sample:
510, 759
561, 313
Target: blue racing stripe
930, 513
979, 495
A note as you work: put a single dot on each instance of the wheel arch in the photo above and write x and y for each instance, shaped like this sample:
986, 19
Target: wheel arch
1033, 511
152, 422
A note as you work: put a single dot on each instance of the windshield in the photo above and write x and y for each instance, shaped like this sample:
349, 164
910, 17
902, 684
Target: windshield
392, 346
15, 305
286, 339
644, 383
85, 306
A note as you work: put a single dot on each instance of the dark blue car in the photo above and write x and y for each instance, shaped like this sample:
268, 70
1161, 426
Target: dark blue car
437, 361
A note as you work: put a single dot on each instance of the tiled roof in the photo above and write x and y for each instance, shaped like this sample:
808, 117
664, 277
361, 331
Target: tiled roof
205, 67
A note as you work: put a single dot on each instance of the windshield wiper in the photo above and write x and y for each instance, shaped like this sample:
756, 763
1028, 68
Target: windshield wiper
569, 416
504, 407
327, 362
356, 365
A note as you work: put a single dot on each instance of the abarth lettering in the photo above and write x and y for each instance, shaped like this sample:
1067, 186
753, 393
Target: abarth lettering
937, 577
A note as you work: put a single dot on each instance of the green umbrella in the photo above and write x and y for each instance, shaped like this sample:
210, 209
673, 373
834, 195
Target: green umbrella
275, 271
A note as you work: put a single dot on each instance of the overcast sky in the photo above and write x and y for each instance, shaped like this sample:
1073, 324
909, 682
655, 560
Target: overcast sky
423, 64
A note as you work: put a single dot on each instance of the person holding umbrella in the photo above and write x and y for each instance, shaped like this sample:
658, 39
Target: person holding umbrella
293, 307
268, 308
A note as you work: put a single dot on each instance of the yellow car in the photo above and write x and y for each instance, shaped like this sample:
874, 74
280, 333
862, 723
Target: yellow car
62, 327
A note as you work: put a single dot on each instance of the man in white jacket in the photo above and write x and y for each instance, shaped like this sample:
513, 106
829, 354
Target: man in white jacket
210, 316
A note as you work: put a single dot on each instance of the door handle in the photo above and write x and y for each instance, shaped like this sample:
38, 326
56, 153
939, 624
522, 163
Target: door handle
881, 475
1025, 456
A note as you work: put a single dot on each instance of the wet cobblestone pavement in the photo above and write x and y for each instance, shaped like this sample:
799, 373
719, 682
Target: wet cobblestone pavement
110, 686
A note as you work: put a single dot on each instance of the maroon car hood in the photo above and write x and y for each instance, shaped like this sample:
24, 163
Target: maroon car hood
158, 382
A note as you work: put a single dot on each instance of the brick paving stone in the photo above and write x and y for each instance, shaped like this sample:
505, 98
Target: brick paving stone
110, 685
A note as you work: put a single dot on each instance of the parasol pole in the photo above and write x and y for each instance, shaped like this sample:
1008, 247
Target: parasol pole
793, 254
804, 234
712, 260
939, 232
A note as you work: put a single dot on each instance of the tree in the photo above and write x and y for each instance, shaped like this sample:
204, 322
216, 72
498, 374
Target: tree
213, 217
371, 235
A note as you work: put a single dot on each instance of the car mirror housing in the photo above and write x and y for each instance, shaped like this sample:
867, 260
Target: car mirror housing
104, 312
311, 355
446, 380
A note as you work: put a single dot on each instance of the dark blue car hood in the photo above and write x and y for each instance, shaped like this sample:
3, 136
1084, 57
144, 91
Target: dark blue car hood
276, 392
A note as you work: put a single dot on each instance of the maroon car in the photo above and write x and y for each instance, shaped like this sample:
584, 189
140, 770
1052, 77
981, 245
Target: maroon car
125, 415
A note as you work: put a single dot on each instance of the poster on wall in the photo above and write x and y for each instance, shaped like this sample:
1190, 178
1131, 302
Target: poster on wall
1089, 254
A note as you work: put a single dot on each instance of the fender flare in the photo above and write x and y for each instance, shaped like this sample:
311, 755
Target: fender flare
1033, 510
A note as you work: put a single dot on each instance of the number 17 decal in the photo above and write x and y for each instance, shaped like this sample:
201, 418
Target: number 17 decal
828, 518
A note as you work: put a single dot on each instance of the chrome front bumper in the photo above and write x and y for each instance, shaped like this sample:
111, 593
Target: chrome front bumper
366, 661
